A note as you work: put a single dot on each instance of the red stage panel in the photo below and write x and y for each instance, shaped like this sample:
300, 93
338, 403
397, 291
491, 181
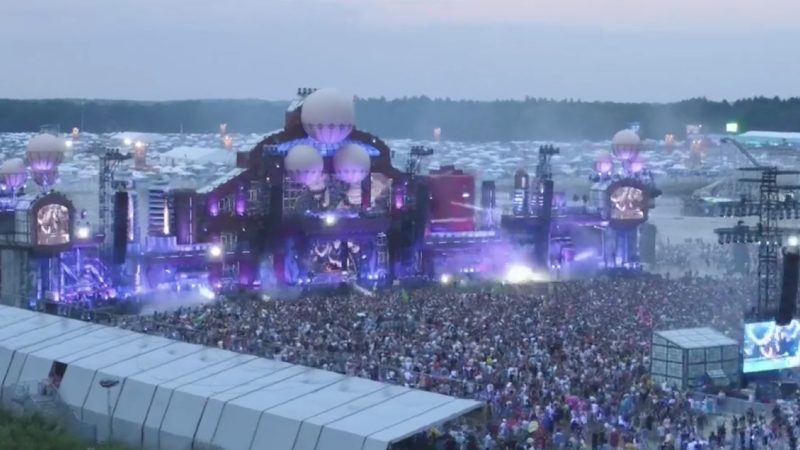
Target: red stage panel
452, 206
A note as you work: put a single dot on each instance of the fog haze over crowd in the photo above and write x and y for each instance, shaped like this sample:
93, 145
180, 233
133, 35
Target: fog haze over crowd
621, 50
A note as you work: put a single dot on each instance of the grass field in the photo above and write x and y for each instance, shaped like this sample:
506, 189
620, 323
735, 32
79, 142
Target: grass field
37, 433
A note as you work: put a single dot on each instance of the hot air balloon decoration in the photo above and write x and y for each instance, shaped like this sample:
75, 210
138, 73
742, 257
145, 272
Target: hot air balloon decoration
604, 164
304, 165
626, 144
13, 175
328, 116
45, 152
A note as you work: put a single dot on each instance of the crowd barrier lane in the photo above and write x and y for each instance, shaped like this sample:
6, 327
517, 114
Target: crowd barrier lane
726, 405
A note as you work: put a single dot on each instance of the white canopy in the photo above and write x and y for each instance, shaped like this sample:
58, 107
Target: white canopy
174, 395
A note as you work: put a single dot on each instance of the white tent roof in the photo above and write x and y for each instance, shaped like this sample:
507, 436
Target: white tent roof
174, 395
771, 135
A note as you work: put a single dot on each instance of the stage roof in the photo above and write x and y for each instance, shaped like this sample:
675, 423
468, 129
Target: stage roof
696, 337
174, 395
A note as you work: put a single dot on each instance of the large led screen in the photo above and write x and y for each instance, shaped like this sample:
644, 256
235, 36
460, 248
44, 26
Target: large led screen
768, 346
52, 225
627, 203
329, 256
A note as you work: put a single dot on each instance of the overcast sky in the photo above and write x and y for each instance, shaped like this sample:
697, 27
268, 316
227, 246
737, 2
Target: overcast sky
620, 50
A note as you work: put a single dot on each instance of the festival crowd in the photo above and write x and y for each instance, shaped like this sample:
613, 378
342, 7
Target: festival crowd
563, 365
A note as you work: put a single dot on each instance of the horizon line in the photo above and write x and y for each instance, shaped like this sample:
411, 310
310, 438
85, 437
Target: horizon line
404, 98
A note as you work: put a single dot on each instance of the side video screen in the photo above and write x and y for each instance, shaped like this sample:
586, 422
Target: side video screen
768, 346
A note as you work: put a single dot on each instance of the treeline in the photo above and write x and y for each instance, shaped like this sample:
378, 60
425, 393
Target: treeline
414, 117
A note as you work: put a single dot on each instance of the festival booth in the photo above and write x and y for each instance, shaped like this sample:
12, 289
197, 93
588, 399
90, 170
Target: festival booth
688, 358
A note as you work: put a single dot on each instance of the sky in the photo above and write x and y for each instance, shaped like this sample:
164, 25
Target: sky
614, 50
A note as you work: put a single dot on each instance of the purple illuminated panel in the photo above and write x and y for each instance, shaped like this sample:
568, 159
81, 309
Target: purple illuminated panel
241, 201
213, 206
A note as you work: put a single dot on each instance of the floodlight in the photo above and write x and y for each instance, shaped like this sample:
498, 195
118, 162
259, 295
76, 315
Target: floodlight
82, 232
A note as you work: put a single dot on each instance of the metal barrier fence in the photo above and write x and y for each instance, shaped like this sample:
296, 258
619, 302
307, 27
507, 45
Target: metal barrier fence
730, 405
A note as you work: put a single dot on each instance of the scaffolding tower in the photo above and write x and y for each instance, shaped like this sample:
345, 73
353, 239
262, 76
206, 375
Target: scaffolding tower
775, 202
109, 161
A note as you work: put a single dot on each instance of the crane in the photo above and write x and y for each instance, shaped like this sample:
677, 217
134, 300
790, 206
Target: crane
742, 150
729, 183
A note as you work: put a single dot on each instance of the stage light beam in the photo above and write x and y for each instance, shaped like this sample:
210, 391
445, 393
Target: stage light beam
215, 251
82, 232
330, 220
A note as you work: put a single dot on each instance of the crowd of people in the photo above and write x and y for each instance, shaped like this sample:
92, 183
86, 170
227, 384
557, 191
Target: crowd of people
563, 365
706, 258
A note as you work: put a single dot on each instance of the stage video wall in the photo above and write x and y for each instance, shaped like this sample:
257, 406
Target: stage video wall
52, 225
628, 203
335, 256
768, 346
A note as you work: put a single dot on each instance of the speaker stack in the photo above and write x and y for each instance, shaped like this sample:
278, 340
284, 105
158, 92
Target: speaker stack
791, 270
120, 238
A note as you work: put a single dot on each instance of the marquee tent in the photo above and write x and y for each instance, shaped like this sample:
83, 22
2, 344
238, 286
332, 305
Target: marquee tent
155, 393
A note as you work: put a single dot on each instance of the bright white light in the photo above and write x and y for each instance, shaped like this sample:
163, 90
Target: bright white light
330, 220
83, 233
445, 278
206, 293
215, 251
465, 195
68, 143
139, 144
128, 142
793, 241
518, 274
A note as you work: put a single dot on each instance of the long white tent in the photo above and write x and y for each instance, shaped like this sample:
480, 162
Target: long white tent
155, 393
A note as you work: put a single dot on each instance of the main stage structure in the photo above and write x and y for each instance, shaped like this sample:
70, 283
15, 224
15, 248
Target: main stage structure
317, 203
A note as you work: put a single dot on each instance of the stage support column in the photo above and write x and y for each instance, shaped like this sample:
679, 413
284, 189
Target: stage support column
366, 192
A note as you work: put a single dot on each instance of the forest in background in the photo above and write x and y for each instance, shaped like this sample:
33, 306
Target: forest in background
414, 117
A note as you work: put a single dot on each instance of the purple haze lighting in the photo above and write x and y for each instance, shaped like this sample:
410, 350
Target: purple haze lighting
329, 133
604, 164
213, 206
241, 202
637, 165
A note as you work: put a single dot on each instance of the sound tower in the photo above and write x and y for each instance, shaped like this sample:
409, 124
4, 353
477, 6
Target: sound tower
120, 239
791, 271
422, 206
647, 243
542, 249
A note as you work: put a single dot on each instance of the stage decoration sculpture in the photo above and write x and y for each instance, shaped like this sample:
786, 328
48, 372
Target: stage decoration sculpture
637, 164
328, 116
626, 145
604, 164
45, 152
13, 174
352, 164
304, 165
